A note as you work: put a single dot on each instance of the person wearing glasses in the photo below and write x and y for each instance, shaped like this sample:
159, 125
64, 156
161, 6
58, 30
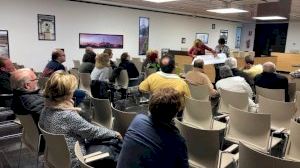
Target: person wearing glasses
26, 97
58, 57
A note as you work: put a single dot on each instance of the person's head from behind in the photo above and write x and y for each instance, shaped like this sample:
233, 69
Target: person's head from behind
6, 65
231, 62
225, 72
167, 64
152, 55
24, 79
89, 57
198, 64
102, 60
249, 61
58, 55
221, 41
125, 57
165, 104
60, 87
197, 43
89, 49
269, 67
109, 52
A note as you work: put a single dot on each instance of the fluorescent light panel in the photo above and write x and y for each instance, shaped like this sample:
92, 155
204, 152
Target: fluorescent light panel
227, 10
160, 1
270, 18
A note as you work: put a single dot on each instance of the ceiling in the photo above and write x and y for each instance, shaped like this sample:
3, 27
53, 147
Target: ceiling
199, 7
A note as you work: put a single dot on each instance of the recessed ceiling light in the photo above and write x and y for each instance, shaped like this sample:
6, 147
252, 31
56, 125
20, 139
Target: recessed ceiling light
160, 1
227, 10
270, 18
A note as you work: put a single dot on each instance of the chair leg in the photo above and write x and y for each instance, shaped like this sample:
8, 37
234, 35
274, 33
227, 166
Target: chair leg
20, 152
37, 152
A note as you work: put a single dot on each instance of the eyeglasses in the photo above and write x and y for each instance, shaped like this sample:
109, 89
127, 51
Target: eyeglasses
32, 80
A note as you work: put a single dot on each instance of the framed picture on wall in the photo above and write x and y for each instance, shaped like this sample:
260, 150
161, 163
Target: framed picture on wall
100, 40
238, 37
143, 35
46, 27
224, 34
203, 37
4, 46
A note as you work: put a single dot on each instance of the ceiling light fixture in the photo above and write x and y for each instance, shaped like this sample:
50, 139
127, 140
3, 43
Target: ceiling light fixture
270, 18
160, 1
227, 10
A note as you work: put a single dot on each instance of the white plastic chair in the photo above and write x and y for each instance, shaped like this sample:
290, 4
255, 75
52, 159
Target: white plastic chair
122, 120
76, 64
102, 112
85, 82
274, 94
199, 92
293, 147
238, 100
187, 68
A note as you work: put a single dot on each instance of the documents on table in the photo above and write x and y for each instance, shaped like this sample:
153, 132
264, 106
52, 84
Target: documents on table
210, 59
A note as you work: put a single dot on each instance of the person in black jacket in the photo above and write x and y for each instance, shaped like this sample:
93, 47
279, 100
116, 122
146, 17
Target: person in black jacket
26, 97
129, 66
6, 68
58, 57
271, 80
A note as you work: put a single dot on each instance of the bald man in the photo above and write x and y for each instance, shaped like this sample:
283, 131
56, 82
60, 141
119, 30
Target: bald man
26, 97
271, 80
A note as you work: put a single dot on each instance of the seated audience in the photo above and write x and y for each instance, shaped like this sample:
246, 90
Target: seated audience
26, 97
154, 141
272, 80
60, 117
109, 52
58, 57
102, 70
165, 78
232, 63
129, 66
234, 83
251, 69
151, 61
88, 62
6, 68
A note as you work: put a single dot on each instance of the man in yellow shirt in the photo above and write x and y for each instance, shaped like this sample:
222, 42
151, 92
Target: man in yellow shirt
251, 69
166, 78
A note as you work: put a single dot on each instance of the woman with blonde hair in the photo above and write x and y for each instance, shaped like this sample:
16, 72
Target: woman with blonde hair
199, 49
102, 70
60, 117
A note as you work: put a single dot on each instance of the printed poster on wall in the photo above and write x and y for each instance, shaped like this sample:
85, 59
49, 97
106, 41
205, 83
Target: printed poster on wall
238, 37
4, 46
46, 27
143, 35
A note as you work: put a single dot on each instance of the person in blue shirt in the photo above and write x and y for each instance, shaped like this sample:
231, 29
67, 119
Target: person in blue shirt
58, 57
154, 141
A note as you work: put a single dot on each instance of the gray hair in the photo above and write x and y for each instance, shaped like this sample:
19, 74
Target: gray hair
19, 78
225, 72
231, 62
269, 67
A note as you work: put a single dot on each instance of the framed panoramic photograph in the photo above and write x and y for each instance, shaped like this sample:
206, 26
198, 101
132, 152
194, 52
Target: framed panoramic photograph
203, 37
4, 46
100, 40
46, 27
143, 35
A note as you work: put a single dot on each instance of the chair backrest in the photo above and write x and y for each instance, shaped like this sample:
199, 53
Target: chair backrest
202, 145
292, 91
187, 68
281, 112
150, 71
251, 128
238, 100
274, 94
137, 62
297, 103
199, 92
42, 82
85, 82
198, 113
293, 147
122, 120
75, 73
122, 80
297, 81
79, 156
76, 64
250, 158
30, 134
57, 153
102, 112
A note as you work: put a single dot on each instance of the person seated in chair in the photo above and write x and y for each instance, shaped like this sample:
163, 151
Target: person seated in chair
58, 57
6, 68
251, 69
154, 141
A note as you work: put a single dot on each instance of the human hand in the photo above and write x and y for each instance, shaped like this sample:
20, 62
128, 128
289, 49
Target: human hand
119, 136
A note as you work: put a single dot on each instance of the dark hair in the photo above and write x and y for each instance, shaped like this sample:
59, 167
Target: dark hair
89, 57
124, 56
167, 67
107, 51
2, 59
221, 41
56, 54
249, 59
198, 63
165, 104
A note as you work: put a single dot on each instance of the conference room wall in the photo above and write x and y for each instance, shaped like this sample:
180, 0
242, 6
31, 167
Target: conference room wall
72, 18
293, 37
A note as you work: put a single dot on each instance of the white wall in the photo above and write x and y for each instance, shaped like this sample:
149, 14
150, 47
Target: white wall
19, 17
246, 28
293, 36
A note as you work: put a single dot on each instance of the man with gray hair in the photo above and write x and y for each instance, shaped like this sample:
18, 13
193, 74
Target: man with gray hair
232, 63
234, 83
271, 80
26, 97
